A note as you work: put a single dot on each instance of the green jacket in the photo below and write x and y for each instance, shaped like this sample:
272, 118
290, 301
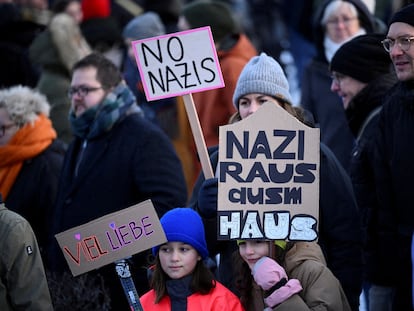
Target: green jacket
23, 284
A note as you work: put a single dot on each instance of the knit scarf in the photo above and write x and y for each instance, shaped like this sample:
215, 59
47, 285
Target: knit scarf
100, 119
27, 143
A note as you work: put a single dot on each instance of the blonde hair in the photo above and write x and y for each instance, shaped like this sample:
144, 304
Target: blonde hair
23, 104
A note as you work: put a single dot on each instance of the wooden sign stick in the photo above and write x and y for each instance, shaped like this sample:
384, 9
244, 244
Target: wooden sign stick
198, 136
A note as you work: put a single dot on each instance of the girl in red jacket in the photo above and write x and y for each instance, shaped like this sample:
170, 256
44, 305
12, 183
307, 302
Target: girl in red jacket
180, 280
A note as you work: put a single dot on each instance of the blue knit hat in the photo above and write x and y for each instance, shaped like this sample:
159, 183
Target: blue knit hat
262, 74
183, 224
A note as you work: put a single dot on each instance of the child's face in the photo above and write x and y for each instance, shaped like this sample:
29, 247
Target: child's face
251, 251
178, 259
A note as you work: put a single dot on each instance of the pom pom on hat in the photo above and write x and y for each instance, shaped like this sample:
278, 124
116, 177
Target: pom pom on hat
215, 14
404, 15
144, 26
183, 224
262, 74
363, 58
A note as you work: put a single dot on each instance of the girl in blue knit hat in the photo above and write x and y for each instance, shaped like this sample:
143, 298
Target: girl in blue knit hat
180, 280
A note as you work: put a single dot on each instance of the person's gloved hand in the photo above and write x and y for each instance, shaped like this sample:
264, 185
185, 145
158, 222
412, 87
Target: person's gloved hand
272, 278
207, 198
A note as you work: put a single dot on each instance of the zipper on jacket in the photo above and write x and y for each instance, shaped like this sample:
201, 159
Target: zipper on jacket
82, 151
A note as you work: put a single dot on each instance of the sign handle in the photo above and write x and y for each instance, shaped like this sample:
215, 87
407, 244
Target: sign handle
198, 136
124, 274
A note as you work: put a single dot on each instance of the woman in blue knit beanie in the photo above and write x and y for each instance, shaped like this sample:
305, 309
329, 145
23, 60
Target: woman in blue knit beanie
181, 281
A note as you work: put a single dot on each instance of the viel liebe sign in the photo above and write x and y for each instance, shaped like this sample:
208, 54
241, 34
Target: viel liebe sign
111, 237
178, 64
268, 178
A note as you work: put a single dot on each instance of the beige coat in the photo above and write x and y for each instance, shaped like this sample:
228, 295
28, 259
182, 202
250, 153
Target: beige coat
321, 289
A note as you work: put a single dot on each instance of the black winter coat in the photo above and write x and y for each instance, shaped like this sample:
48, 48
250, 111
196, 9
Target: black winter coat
131, 163
394, 171
34, 191
362, 114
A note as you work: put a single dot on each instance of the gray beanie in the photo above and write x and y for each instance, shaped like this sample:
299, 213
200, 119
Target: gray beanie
144, 26
262, 74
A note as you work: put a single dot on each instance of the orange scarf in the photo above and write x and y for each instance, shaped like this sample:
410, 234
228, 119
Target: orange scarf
28, 142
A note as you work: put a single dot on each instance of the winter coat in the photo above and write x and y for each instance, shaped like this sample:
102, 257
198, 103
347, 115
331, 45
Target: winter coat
362, 114
23, 284
218, 299
394, 172
56, 50
321, 290
340, 231
131, 163
34, 191
317, 97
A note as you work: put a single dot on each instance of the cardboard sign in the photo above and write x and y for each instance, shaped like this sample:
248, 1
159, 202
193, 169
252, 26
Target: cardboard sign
177, 64
268, 178
111, 237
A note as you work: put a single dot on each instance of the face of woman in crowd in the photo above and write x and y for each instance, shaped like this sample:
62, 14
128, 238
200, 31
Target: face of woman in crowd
250, 103
342, 24
252, 250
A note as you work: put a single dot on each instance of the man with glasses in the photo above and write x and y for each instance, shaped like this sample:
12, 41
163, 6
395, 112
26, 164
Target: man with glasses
394, 169
117, 159
362, 74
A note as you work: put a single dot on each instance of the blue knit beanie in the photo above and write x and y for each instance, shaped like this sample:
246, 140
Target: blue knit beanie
262, 74
183, 224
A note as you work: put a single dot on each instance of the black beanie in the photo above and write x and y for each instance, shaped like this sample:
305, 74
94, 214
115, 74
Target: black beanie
362, 58
404, 15
215, 14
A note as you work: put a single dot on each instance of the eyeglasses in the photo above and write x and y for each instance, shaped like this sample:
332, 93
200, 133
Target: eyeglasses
403, 42
5, 127
81, 91
345, 20
337, 77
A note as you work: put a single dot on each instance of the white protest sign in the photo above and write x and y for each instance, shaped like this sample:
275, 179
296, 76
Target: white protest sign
177, 64
268, 178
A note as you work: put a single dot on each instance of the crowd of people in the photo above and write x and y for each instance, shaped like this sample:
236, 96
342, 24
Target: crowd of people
79, 140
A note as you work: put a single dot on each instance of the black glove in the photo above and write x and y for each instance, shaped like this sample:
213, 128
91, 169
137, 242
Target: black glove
207, 198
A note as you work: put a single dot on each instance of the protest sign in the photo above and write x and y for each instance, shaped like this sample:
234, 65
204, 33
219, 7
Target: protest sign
177, 64
180, 64
268, 178
111, 237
